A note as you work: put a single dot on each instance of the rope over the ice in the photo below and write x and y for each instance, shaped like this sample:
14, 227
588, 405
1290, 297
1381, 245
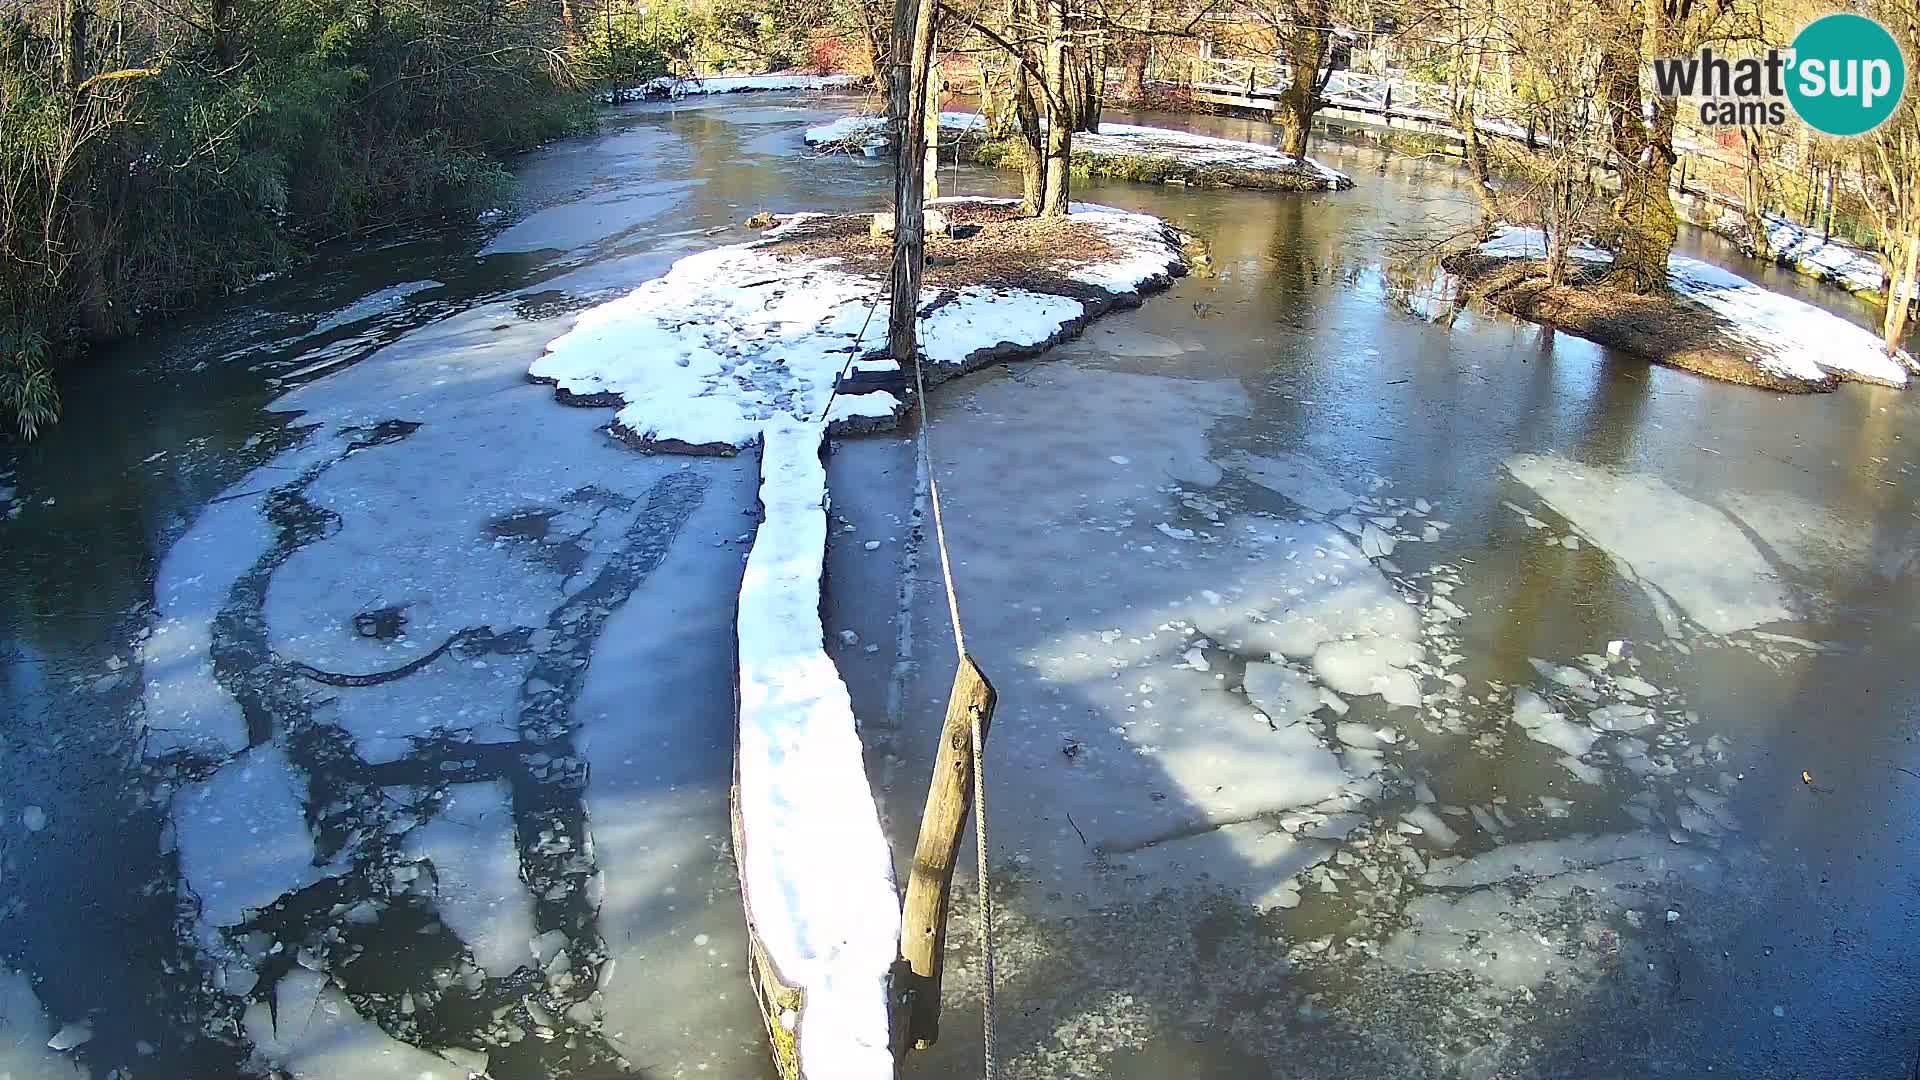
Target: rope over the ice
984, 912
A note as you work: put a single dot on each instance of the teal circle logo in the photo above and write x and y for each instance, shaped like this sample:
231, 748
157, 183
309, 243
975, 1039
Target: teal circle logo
1847, 76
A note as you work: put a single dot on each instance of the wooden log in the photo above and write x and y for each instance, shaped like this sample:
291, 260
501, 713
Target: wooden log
923, 930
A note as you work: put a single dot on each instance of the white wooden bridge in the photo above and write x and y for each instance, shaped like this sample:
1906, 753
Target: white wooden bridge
1388, 102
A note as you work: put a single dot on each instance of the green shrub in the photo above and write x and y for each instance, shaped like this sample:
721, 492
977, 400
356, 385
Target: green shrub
130, 195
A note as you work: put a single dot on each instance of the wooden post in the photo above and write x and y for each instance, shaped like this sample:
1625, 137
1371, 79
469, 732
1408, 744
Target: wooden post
923, 928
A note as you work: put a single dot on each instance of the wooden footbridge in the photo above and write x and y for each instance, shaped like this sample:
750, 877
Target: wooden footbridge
1390, 102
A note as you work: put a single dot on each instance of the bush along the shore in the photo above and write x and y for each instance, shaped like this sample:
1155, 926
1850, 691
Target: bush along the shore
145, 165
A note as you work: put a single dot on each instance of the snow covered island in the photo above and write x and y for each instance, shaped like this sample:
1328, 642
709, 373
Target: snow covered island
1126, 151
744, 346
1712, 321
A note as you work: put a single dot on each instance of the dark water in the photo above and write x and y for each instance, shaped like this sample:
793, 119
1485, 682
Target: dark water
186, 555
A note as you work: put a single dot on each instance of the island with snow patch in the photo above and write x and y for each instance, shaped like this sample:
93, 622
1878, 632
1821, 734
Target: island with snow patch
1123, 151
767, 345
1709, 321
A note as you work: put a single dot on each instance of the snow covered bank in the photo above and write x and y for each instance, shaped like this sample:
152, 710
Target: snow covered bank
1799, 247
1130, 151
704, 356
1716, 322
868, 132
669, 86
742, 346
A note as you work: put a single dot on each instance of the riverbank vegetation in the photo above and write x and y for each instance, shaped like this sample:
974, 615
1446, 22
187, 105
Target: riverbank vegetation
153, 156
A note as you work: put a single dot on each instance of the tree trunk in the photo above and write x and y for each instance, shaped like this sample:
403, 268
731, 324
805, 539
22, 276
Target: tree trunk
1900, 291
1133, 79
220, 19
1642, 225
1054, 196
991, 113
1033, 163
1466, 121
73, 45
912, 38
1754, 206
1306, 50
930, 103
1097, 87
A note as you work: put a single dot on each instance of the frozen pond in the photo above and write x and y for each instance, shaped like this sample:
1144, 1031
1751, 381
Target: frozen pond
1377, 695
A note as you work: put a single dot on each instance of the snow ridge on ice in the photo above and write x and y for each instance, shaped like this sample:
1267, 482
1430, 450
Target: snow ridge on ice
815, 865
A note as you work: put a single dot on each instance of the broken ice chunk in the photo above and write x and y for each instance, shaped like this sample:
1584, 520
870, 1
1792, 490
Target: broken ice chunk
1370, 666
1284, 694
1532, 713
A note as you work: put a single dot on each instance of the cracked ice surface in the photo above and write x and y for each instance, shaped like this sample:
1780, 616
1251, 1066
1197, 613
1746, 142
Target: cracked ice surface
243, 839
1227, 696
1693, 563
1181, 771
477, 873
24, 1028
313, 1033
1488, 913
497, 534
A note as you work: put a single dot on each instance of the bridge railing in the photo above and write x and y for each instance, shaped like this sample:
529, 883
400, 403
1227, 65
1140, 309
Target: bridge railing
1392, 93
